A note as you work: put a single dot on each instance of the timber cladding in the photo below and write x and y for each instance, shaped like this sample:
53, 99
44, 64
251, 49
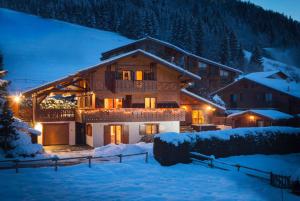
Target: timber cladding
252, 95
55, 133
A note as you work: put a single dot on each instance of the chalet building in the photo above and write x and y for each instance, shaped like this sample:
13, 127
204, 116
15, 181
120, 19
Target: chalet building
214, 75
123, 98
260, 118
259, 91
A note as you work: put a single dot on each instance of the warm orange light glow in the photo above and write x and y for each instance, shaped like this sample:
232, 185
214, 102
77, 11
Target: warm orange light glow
17, 98
38, 127
209, 108
251, 117
184, 107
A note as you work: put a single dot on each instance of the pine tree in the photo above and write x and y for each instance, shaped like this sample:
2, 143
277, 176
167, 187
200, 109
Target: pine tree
256, 60
224, 51
199, 35
233, 46
240, 57
7, 130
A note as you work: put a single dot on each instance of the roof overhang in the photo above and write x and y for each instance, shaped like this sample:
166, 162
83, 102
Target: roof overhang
199, 98
79, 74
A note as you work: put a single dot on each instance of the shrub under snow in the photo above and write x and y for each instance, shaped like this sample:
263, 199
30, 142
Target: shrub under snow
23, 146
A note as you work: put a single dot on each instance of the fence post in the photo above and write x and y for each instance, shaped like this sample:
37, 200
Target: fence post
55, 159
120, 158
90, 161
146, 158
238, 167
17, 166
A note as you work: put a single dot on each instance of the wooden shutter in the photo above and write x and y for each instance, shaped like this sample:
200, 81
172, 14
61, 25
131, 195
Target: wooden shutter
142, 129
107, 139
125, 134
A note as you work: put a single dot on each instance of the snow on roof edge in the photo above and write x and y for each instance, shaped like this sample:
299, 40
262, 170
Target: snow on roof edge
266, 113
119, 57
202, 99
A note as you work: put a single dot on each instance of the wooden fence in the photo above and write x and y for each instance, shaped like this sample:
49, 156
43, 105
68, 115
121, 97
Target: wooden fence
54, 161
279, 181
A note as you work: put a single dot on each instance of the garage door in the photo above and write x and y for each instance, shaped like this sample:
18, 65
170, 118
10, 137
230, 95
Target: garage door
55, 134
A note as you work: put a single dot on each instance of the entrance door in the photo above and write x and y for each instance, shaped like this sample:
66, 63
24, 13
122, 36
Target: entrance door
116, 134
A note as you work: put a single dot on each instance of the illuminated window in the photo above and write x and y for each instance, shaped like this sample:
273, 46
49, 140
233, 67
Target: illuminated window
197, 117
116, 134
89, 130
110, 103
150, 102
139, 75
151, 129
127, 75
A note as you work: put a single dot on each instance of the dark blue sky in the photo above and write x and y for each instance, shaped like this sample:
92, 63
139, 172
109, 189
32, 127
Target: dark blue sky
287, 7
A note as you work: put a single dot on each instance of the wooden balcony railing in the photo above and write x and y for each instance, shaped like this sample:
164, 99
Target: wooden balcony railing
135, 86
130, 115
48, 115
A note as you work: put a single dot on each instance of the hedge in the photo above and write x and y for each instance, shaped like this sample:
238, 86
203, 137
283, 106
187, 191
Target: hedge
173, 148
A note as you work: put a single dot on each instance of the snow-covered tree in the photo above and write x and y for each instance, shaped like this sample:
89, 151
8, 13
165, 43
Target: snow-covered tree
240, 57
7, 130
256, 60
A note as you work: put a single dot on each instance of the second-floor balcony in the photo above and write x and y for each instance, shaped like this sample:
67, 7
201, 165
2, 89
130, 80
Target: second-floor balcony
51, 115
130, 115
135, 86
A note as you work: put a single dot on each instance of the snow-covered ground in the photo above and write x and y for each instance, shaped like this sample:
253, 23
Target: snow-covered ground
271, 65
136, 180
38, 50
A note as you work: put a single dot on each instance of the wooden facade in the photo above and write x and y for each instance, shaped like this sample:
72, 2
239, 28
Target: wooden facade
246, 94
254, 120
213, 74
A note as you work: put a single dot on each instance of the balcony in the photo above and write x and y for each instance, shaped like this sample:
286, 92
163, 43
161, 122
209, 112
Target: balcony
50, 115
130, 115
135, 86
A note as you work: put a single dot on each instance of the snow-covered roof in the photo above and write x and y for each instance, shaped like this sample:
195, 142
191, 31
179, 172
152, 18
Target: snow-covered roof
110, 60
268, 113
184, 52
269, 79
185, 91
289, 87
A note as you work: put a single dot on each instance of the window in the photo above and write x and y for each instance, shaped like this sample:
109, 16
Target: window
110, 103
268, 97
224, 73
151, 129
241, 97
88, 130
127, 75
197, 117
116, 134
233, 100
260, 123
202, 65
139, 75
150, 102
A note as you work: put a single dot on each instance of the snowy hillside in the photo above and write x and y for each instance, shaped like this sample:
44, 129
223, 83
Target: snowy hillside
270, 64
38, 50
